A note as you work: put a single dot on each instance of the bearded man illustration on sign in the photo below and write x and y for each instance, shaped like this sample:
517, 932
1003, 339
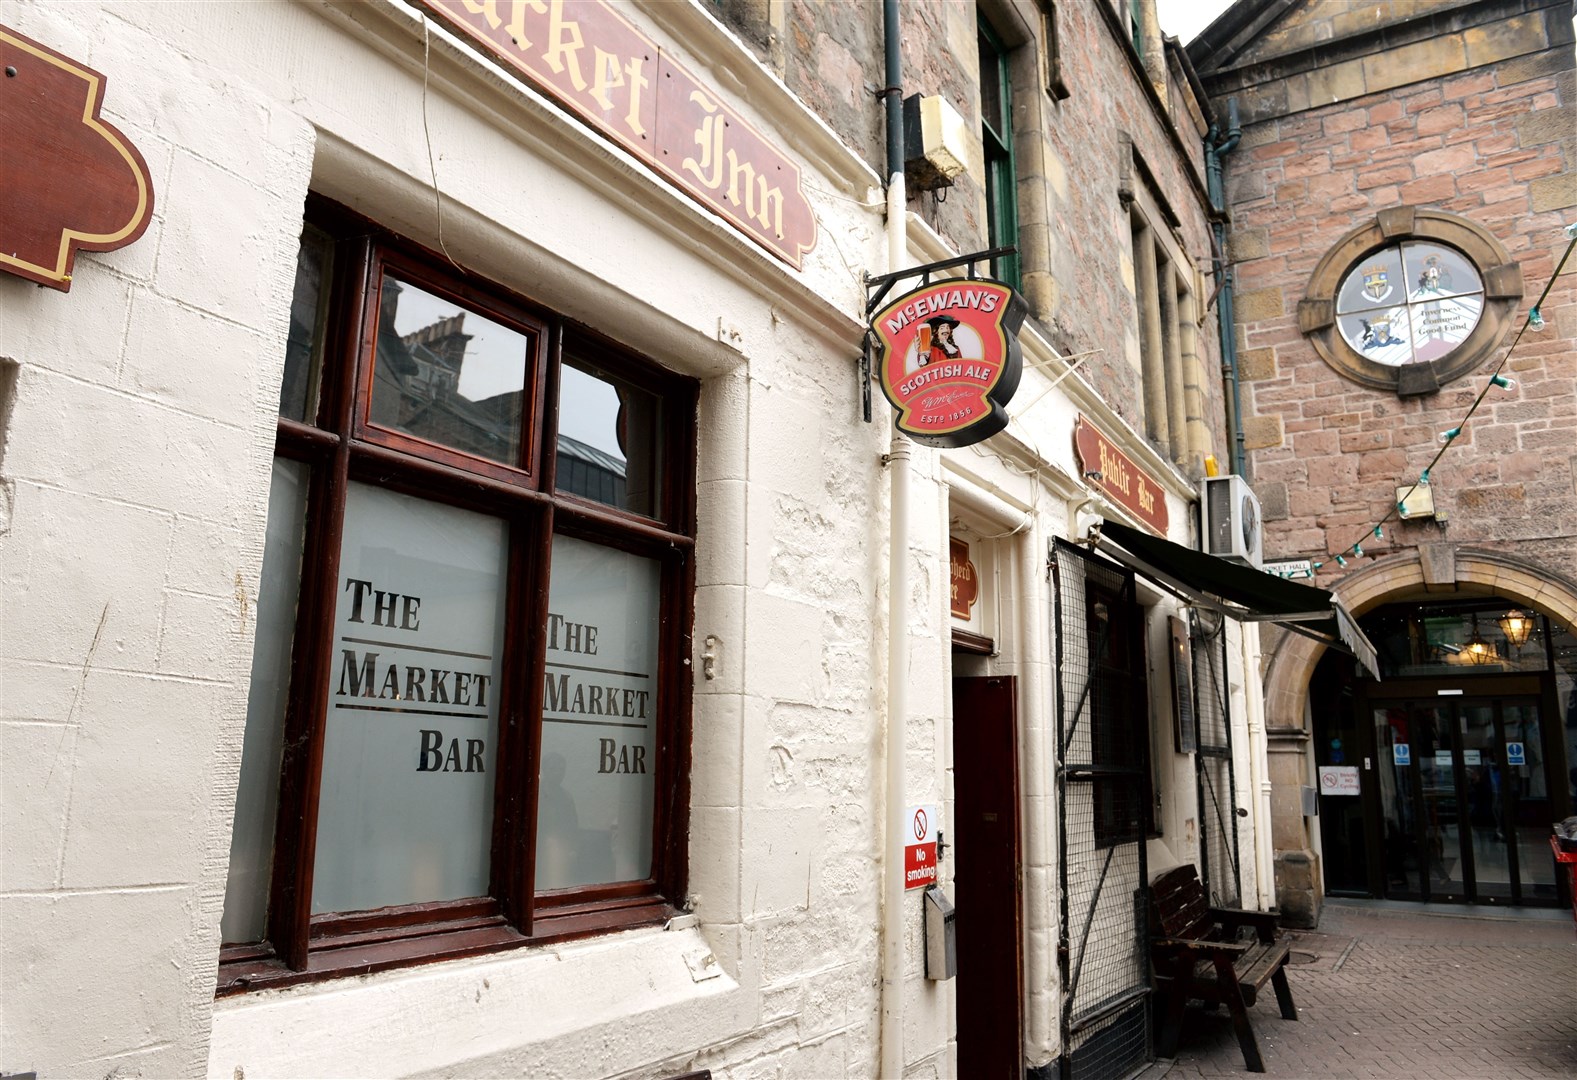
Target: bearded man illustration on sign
943, 347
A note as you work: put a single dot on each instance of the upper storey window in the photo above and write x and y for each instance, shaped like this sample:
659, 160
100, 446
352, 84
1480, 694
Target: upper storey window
1410, 303
1410, 300
996, 136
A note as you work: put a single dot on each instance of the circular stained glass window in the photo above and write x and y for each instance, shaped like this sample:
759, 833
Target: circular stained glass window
1409, 303
1411, 299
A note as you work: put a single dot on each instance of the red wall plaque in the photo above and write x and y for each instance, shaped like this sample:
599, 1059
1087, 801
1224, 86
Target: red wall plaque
965, 578
592, 60
69, 181
950, 359
1119, 477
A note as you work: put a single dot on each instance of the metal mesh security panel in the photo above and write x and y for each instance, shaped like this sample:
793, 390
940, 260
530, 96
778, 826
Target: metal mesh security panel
1210, 682
1218, 832
1218, 817
1106, 1049
1102, 734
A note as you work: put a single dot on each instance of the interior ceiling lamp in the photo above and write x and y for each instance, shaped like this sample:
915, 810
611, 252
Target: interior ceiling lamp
1516, 626
1477, 651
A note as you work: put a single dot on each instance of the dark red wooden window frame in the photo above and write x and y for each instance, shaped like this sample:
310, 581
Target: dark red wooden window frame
338, 446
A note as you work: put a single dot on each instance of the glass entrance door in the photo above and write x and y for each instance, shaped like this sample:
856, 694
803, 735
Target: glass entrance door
1462, 791
1529, 808
1484, 802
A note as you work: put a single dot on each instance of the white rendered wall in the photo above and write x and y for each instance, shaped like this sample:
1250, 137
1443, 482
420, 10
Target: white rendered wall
135, 476
136, 472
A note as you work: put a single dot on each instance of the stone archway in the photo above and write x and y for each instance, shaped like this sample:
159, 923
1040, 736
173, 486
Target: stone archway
1430, 570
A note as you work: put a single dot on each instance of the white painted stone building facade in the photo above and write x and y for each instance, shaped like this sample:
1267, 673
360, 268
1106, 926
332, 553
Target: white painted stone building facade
140, 430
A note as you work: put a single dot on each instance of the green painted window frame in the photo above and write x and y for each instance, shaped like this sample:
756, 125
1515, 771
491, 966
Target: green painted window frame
1001, 171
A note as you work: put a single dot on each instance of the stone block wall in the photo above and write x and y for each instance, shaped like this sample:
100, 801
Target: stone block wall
1493, 142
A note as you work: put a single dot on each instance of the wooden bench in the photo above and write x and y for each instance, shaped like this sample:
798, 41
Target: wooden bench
1195, 953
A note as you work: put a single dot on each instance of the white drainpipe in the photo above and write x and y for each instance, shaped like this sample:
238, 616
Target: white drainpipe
897, 692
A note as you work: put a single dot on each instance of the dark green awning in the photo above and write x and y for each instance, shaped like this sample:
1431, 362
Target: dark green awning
1240, 592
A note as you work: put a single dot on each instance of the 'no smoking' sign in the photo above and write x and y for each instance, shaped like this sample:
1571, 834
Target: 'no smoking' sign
919, 854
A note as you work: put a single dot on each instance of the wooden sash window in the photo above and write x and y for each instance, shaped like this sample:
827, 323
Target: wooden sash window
468, 727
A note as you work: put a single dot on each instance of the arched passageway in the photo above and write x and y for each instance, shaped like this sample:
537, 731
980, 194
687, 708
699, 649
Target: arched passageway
1310, 697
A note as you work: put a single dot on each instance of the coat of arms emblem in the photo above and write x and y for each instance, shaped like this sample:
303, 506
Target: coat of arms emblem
1376, 282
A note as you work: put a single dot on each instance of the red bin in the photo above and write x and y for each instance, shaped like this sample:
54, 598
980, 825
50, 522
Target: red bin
1569, 860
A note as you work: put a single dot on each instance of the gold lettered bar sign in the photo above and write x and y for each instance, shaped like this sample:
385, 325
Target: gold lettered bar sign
1118, 476
589, 58
965, 578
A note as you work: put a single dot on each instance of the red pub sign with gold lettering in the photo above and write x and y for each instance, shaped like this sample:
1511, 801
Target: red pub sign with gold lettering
965, 578
950, 359
1118, 476
592, 60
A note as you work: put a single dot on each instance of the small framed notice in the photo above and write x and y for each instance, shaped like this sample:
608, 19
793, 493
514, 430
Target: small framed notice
1339, 780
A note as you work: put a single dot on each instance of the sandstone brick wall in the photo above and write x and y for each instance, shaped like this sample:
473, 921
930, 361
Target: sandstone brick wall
1495, 144
1088, 301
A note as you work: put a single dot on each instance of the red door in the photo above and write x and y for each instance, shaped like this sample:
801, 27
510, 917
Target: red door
985, 847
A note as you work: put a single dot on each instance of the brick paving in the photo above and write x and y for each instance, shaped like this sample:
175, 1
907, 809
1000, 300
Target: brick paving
1384, 991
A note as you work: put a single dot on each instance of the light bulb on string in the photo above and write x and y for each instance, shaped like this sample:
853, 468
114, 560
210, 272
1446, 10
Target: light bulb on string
1503, 381
1340, 561
1379, 532
1535, 320
1449, 434
1357, 550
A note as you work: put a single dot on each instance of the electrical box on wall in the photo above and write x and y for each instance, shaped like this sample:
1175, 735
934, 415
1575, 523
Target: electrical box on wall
1415, 502
936, 142
941, 936
1232, 522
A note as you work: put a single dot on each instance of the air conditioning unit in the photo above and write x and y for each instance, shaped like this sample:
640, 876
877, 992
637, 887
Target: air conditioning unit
1232, 523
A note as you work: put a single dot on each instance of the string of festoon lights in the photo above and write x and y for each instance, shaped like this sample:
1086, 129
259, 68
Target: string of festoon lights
1497, 381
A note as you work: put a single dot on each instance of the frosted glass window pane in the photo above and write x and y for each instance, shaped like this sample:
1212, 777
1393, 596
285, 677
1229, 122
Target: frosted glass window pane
257, 797
1413, 303
1376, 281
405, 814
609, 445
1441, 325
599, 717
448, 375
1434, 270
1382, 335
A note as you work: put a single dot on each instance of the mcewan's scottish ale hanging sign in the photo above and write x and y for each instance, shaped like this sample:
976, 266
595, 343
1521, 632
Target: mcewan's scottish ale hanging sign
950, 359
